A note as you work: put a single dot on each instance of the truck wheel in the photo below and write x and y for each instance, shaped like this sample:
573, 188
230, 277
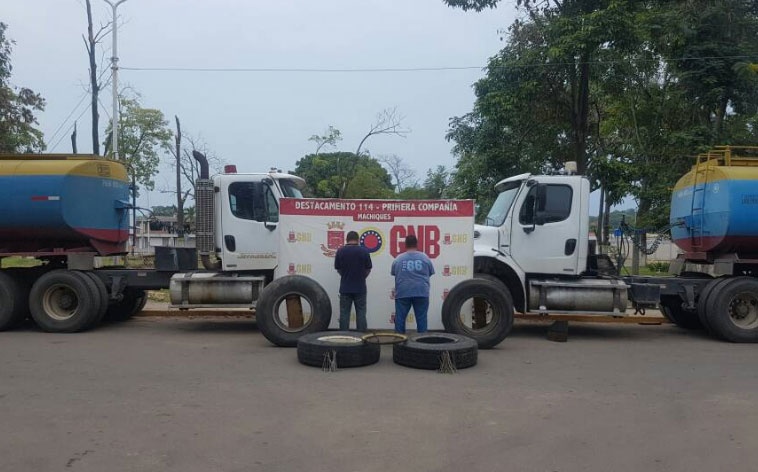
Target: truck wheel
480, 309
671, 307
281, 316
102, 294
13, 302
703, 301
132, 302
348, 349
425, 351
733, 311
62, 301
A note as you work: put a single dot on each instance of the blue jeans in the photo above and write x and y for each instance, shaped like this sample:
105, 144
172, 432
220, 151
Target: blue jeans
403, 306
346, 300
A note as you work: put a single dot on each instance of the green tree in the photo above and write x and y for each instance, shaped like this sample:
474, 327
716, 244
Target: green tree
437, 182
560, 42
639, 86
328, 173
143, 135
686, 88
18, 125
414, 192
331, 137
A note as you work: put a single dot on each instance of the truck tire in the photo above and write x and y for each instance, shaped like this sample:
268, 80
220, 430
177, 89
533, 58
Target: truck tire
497, 297
102, 294
132, 302
733, 310
268, 309
62, 301
703, 301
671, 307
13, 302
349, 350
424, 351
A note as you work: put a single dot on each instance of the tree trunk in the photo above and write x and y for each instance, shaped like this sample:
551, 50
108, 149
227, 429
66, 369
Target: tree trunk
607, 221
134, 212
91, 43
179, 199
600, 220
718, 125
73, 139
582, 114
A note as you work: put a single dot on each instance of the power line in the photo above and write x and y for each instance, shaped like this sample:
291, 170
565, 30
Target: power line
65, 134
410, 69
84, 95
63, 123
274, 69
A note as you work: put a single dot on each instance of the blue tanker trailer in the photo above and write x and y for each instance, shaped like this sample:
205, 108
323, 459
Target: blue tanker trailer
56, 205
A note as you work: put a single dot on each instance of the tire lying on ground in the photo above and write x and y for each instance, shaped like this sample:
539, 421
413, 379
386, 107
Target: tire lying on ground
132, 302
347, 347
486, 295
13, 302
425, 351
732, 310
63, 301
283, 298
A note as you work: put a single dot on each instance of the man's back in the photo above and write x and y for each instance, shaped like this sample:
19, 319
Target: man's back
412, 270
353, 262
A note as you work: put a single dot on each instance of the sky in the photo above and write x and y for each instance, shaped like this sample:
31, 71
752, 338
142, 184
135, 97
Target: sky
257, 120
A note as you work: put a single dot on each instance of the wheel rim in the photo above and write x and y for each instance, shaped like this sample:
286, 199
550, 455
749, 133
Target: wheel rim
477, 315
743, 310
283, 319
341, 339
60, 302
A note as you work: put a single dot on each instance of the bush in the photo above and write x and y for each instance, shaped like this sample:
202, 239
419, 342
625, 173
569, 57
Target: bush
658, 266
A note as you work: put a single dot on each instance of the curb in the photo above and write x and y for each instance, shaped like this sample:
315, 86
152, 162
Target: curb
196, 313
640, 320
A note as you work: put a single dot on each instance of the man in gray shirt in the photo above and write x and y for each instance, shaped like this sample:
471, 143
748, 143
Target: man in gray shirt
412, 270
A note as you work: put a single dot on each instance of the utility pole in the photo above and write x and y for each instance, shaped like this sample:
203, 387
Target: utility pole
117, 117
114, 71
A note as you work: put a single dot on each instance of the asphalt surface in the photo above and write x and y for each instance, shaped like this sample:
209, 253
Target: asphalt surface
213, 395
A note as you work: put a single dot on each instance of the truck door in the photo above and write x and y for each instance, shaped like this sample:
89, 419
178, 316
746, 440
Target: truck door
249, 224
545, 229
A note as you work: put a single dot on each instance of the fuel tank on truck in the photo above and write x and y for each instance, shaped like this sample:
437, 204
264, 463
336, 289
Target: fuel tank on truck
715, 205
51, 204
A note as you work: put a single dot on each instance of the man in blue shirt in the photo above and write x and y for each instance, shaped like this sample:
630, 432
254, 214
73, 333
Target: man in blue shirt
353, 263
412, 270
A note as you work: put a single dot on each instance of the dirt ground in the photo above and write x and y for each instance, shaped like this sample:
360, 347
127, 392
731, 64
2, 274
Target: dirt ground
211, 394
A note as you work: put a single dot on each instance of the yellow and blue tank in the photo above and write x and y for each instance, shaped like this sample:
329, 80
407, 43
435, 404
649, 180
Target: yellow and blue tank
714, 207
52, 204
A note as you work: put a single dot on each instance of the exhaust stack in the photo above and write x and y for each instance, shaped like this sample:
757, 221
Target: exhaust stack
204, 213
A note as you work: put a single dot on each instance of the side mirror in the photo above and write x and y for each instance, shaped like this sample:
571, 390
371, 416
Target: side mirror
529, 217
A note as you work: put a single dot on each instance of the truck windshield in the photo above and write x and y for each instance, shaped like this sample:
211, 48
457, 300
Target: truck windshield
289, 189
499, 210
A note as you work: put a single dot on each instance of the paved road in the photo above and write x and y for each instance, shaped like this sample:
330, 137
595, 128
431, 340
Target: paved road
213, 395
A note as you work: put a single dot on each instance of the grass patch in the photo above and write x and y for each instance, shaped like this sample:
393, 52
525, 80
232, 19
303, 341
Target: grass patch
161, 296
16, 261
